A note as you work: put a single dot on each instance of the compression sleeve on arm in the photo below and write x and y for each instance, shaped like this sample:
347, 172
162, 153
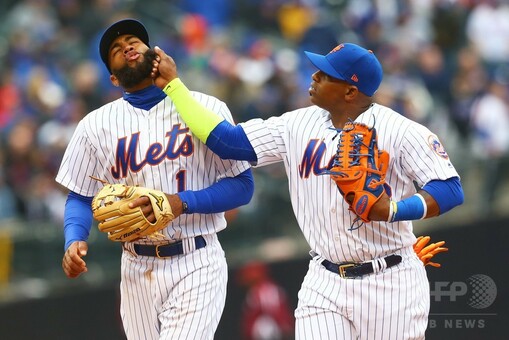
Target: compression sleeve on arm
77, 218
224, 195
200, 120
230, 142
408, 209
448, 194
224, 139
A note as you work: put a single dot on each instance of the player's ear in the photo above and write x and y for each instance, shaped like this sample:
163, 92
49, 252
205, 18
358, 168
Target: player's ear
114, 80
351, 92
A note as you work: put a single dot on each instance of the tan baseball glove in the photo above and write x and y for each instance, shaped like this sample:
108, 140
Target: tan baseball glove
110, 208
426, 252
359, 168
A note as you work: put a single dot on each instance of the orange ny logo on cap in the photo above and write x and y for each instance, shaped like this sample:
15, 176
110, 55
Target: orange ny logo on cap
337, 48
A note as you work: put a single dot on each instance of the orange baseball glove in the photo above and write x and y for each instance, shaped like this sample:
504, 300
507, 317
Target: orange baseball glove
359, 168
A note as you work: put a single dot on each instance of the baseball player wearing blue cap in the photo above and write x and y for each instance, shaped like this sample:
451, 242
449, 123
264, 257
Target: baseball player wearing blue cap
172, 286
365, 282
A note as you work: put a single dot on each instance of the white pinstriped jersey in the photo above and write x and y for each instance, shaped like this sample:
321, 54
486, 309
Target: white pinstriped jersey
305, 141
123, 144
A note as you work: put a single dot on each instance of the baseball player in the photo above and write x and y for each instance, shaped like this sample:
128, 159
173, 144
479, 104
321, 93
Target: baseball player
173, 286
364, 282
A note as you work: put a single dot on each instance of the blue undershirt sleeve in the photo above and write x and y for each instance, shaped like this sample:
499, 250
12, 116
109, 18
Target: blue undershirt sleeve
448, 194
226, 194
77, 218
230, 142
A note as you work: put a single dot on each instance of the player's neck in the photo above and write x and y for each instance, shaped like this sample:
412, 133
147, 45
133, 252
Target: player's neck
140, 86
349, 112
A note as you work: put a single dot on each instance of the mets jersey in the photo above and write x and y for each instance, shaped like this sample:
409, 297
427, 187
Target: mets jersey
305, 140
120, 143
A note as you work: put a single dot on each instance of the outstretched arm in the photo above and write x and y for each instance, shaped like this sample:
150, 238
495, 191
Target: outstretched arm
224, 139
200, 120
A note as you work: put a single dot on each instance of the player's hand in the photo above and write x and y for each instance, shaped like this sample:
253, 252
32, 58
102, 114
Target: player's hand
148, 211
73, 263
380, 210
164, 68
146, 207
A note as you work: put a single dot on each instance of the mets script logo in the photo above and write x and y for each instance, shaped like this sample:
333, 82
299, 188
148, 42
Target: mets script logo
312, 159
179, 144
436, 146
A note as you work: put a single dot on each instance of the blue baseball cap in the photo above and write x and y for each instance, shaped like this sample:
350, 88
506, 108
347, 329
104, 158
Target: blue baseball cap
125, 26
351, 63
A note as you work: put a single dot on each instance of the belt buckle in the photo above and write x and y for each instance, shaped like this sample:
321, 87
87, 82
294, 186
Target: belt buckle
157, 251
343, 267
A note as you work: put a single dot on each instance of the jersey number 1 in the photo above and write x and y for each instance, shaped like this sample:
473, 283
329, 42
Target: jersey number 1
181, 180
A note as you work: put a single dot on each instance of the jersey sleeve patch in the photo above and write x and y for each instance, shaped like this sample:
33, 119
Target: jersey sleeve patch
437, 147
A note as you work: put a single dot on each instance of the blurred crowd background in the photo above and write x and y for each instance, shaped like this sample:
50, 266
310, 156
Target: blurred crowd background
446, 65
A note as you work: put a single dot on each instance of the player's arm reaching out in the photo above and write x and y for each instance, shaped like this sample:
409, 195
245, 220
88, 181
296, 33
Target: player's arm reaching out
226, 140
231, 142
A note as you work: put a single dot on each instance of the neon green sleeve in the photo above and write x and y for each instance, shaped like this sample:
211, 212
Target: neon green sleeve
200, 120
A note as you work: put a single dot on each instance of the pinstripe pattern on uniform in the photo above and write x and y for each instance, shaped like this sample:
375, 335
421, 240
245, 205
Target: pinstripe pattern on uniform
177, 298
181, 297
286, 137
119, 121
393, 304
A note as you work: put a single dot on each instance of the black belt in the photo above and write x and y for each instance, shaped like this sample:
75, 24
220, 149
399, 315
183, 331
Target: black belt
349, 270
166, 250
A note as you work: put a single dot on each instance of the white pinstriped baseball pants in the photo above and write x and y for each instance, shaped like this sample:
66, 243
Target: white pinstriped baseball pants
181, 297
390, 305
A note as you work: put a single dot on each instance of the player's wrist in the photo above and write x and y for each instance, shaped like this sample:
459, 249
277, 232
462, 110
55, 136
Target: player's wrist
174, 87
393, 208
411, 208
187, 202
176, 203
